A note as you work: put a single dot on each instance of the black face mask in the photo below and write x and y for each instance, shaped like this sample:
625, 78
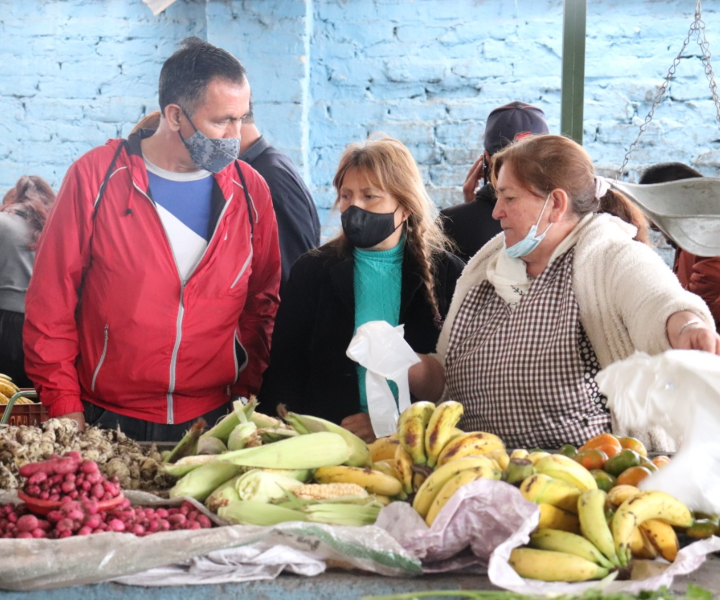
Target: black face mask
365, 229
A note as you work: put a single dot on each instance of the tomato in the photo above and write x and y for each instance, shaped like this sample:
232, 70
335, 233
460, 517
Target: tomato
660, 461
568, 450
631, 443
606, 442
604, 480
621, 461
591, 458
633, 476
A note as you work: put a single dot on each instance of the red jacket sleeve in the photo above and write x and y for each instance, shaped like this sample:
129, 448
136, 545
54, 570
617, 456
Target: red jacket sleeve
705, 282
258, 317
50, 333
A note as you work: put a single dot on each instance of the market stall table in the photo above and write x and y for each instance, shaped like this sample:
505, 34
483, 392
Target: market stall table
328, 586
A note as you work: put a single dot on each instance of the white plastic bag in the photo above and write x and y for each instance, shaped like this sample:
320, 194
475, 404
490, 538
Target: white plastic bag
678, 390
383, 351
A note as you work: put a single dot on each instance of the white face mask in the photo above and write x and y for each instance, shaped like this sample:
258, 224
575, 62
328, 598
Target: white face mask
531, 241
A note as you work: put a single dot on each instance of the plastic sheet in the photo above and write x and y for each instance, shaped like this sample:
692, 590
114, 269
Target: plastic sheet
383, 351
678, 390
223, 554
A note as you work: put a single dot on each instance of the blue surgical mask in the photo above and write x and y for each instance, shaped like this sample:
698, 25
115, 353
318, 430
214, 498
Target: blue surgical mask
526, 245
211, 154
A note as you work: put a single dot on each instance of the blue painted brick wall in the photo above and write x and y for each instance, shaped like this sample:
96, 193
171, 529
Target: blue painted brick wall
327, 72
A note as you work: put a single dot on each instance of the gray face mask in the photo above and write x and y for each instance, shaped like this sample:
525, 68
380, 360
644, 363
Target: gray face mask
211, 154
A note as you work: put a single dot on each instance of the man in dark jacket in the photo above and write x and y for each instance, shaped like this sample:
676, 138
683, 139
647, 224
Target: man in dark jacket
471, 225
297, 218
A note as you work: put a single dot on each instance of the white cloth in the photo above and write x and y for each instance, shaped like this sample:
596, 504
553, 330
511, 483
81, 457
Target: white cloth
624, 290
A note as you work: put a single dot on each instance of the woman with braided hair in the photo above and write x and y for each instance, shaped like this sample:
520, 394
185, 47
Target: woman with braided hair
388, 263
23, 213
562, 292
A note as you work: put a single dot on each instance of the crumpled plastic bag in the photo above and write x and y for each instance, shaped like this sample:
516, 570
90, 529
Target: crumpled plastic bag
678, 390
224, 554
481, 524
383, 351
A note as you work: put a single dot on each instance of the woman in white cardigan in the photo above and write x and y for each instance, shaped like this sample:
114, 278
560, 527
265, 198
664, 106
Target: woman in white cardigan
563, 292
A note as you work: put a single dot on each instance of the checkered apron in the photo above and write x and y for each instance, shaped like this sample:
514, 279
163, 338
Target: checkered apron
526, 375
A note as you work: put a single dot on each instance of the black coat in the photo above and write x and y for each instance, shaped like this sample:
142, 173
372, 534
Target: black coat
471, 225
309, 370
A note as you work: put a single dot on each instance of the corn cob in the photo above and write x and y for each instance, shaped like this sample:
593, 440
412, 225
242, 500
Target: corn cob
188, 445
210, 445
201, 482
324, 491
241, 435
187, 464
341, 514
223, 495
264, 486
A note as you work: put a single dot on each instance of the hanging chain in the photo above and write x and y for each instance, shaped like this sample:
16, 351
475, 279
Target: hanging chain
696, 29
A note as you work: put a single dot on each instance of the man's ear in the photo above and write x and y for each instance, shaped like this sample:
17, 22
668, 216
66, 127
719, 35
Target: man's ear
172, 115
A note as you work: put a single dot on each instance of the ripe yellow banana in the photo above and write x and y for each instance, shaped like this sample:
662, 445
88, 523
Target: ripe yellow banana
441, 428
565, 468
501, 457
534, 457
640, 546
642, 507
411, 429
563, 541
388, 467
383, 448
547, 565
593, 524
404, 463
618, 494
434, 483
552, 517
662, 537
474, 443
374, 482
451, 486
417, 481
541, 488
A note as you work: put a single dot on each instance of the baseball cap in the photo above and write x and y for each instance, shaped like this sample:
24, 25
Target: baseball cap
510, 122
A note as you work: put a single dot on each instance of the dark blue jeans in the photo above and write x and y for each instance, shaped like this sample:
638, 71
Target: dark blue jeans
145, 431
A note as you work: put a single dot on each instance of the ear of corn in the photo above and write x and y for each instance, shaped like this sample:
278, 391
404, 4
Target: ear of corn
223, 495
188, 445
341, 514
324, 491
302, 475
187, 464
210, 445
201, 482
240, 436
303, 452
247, 512
304, 424
264, 486
275, 434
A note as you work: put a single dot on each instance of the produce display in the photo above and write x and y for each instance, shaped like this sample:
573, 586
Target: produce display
8, 389
135, 467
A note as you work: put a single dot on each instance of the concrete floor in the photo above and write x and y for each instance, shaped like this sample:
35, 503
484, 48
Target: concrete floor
329, 586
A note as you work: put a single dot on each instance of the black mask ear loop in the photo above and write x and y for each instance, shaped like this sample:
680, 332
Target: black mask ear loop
189, 121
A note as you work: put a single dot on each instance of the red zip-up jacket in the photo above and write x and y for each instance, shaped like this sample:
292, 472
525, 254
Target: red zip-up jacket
109, 320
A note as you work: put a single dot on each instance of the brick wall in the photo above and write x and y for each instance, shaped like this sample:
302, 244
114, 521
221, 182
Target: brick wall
327, 72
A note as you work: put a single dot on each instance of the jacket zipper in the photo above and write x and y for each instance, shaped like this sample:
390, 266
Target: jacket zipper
181, 309
244, 268
101, 361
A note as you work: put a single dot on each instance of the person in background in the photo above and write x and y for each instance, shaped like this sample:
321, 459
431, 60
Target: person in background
471, 225
297, 218
697, 274
563, 292
156, 280
389, 263
23, 213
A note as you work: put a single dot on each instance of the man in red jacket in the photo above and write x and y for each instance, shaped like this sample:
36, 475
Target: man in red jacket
156, 279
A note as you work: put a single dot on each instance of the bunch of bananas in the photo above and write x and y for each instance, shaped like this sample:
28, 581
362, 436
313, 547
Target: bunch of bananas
8, 389
432, 459
585, 532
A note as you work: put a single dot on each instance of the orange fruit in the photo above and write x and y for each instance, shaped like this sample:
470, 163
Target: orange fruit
633, 476
660, 461
592, 458
603, 441
632, 443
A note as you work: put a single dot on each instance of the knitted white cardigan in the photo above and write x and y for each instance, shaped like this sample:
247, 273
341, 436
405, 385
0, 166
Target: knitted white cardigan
625, 293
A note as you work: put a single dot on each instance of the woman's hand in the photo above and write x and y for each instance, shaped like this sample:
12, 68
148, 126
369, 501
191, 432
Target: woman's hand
687, 331
360, 425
